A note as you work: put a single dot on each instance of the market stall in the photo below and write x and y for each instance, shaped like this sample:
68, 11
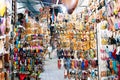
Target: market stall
93, 35
87, 43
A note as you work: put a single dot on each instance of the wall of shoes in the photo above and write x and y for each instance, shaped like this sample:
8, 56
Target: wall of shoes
102, 19
109, 52
90, 42
109, 34
79, 51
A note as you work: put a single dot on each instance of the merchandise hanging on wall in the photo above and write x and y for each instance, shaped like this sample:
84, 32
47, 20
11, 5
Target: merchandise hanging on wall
5, 29
28, 52
75, 36
77, 52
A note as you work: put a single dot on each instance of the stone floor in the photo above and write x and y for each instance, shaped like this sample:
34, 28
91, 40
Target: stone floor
51, 71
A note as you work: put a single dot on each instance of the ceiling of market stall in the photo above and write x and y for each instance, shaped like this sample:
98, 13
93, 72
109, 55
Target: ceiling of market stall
35, 5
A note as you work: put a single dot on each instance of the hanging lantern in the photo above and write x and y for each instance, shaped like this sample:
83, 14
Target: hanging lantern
70, 5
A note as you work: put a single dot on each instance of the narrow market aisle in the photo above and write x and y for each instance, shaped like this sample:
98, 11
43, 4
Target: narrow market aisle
51, 71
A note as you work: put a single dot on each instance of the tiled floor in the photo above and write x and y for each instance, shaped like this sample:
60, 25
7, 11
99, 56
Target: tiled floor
51, 71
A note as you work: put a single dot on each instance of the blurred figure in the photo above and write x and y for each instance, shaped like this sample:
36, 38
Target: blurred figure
49, 51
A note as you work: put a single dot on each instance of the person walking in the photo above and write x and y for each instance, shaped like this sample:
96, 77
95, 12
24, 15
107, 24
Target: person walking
49, 51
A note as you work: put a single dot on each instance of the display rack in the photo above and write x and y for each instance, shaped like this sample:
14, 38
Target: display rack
83, 42
103, 13
5, 29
